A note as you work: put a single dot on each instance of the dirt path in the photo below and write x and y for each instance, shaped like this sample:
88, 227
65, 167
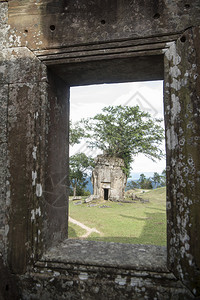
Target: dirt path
88, 229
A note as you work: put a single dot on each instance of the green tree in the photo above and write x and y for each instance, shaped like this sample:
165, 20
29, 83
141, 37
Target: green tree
156, 179
131, 185
124, 132
141, 180
79, 168
145, 183
163, 178
76, 133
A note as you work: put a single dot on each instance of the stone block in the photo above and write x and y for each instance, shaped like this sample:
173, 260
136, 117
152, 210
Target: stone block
3, 112
21, 65
4, 42
108, 178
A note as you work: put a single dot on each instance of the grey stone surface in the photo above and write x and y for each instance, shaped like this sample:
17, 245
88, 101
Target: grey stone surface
108, 175
63, 274
14, 60
138, 257
78, 203
4, 25
3, 166
77, 198
91, 198
89, 21
87, 42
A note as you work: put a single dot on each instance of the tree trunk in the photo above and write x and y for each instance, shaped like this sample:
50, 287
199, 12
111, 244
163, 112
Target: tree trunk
74, 190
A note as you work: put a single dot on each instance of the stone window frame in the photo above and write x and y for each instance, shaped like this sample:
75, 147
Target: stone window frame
119, 61
104, 53
27, 248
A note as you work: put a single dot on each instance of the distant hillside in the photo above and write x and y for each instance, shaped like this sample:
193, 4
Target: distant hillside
156, 194
134, 176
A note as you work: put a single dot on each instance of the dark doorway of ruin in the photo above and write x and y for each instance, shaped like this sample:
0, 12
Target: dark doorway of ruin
105, 194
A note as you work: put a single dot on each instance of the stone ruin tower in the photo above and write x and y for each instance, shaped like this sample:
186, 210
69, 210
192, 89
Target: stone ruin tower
108, 178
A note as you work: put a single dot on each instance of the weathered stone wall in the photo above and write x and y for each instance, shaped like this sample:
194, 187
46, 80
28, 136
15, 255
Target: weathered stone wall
108, 174
34, 111
96, 270
92, 42
26, 78
182, 102
52, 24
4, 197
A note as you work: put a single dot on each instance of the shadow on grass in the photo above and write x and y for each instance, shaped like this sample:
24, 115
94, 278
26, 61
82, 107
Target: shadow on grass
153, 232
159, 209
71, 232
134, 218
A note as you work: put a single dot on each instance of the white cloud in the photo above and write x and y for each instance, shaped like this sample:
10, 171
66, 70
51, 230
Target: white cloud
143, 164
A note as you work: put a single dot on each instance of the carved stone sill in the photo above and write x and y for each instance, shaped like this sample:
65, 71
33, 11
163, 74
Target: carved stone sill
126, 256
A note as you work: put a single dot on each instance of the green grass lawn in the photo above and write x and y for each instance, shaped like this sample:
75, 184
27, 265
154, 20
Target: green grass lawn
135, 223
75, 231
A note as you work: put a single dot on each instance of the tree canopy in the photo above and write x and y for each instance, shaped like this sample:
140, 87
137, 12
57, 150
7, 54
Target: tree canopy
79, 163
76, 133
145, 183
131, 185
156, 179
125, 131
79, 166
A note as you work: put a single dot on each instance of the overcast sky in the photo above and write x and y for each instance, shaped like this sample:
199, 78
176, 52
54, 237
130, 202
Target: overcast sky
87, 101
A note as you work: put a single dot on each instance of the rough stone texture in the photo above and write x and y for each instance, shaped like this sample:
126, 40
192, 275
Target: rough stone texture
96, 270
3, 130
97, 70
3, 163
52, 24
183, 141
108, 178
28, 138
55, 192
137, 257
86, 42
25, 99
9, 288
89, 283
4, 27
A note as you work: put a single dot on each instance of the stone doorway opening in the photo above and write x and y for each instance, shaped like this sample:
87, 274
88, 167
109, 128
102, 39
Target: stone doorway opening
106, 191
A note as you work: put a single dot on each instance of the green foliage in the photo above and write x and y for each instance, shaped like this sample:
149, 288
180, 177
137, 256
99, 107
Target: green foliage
79, 167
124, 132
145, 183
156, 179
86, 193
148, 183
159, 180
79, 189
131, 185
76, 133
163, 178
